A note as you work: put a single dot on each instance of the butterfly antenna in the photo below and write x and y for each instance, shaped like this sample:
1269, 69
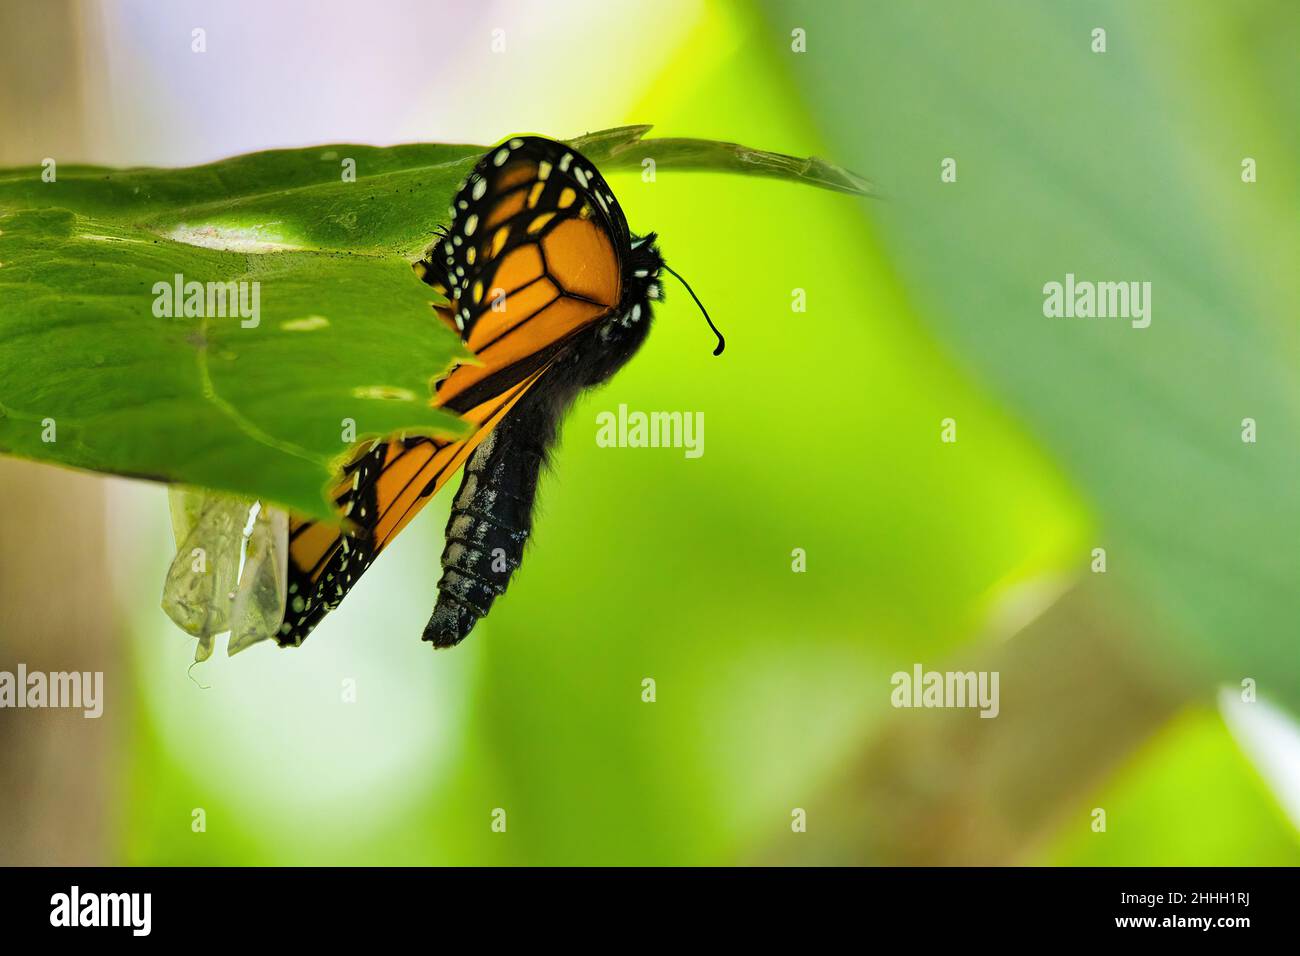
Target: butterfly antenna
722, 343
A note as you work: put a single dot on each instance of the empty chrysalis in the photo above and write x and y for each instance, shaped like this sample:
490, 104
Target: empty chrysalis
230, 569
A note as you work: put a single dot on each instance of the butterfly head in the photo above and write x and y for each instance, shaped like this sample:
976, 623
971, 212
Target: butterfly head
641, 286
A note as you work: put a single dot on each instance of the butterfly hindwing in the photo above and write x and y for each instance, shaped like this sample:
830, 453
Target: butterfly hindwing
382, 490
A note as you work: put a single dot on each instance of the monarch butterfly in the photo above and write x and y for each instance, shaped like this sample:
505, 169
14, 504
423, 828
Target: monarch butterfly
550, 290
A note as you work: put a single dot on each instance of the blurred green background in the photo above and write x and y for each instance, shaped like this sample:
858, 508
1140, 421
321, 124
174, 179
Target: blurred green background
1119, 691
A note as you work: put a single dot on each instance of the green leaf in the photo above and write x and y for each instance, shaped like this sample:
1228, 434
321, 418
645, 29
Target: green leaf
344, 344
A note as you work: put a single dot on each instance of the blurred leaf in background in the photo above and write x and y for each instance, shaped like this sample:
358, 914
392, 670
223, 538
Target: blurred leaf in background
1119, 165
1189, 798
1019, 143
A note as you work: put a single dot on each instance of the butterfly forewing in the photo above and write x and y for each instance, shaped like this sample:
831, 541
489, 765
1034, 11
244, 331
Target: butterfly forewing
533, 255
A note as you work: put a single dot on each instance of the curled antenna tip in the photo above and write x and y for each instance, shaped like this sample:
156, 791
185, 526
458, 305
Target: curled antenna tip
722, 343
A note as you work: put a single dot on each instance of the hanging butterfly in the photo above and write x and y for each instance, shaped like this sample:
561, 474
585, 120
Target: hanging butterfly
551, 292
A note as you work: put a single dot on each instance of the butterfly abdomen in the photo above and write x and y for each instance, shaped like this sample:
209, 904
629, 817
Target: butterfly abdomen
491, 518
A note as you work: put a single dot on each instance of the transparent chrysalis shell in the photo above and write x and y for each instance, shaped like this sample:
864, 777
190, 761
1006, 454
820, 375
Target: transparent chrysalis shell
230, 569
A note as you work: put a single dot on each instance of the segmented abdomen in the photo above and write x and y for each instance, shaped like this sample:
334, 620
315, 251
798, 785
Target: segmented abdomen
490, 520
